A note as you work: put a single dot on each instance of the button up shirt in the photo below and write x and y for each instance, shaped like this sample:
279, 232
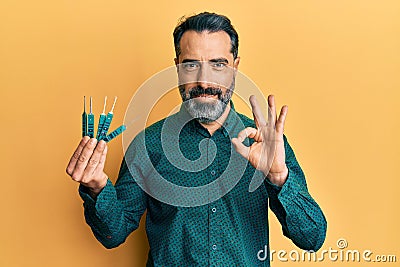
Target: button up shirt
228, 231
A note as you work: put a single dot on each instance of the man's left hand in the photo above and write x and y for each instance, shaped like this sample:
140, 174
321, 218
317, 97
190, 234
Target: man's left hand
268, 139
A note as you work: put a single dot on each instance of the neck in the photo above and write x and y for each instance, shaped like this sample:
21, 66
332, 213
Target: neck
215, 125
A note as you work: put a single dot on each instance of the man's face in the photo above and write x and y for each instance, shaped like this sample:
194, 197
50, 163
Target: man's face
206, 70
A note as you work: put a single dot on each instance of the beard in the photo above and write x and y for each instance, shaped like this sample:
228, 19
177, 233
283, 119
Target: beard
206, 111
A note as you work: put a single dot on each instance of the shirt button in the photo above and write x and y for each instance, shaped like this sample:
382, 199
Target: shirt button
214, 247
109, 237
214, 209
213, 172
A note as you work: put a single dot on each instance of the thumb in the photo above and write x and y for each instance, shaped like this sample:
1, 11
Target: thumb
241, 148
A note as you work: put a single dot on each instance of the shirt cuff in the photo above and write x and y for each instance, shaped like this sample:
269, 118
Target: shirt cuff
104, 202
84, 193
291, 189
275, 187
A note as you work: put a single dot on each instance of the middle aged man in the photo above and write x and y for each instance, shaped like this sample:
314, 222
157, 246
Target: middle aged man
228, 231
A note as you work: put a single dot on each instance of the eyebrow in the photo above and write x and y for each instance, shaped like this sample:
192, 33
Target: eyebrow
190, 60
219, 60
214, 60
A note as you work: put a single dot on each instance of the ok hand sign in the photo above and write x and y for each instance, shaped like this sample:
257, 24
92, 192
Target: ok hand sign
267, 153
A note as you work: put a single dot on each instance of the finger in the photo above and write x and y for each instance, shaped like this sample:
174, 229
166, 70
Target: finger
95, 158
102, 160
247, 132
98, 172
271, 110
241, 148
98, 175
280, 124
96, 179
84, 159
72, 162
257, 113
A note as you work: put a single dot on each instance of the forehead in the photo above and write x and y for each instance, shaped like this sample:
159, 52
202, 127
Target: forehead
205, 45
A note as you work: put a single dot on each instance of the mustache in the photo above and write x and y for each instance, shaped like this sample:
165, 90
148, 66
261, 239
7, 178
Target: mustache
198, 90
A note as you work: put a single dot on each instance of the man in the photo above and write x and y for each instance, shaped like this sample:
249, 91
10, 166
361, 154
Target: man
228, 231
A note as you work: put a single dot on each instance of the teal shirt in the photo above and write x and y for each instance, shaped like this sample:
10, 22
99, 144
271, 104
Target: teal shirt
229, 231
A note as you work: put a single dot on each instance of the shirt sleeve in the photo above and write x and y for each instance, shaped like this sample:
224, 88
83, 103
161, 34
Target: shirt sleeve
301, 218
117, 210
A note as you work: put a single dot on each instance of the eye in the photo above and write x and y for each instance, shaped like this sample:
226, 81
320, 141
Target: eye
191, 66
218, 65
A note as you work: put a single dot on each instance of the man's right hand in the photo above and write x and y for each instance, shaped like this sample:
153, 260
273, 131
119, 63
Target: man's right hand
87, 164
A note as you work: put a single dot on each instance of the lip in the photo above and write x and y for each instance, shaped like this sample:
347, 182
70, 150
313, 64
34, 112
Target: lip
207, 96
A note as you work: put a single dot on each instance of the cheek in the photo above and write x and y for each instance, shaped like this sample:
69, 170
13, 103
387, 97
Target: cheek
224, 92
222, 80
226, 80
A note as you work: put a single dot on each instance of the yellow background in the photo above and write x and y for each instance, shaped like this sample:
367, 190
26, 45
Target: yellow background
335, 63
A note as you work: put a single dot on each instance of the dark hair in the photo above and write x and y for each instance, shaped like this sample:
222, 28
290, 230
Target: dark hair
206, 21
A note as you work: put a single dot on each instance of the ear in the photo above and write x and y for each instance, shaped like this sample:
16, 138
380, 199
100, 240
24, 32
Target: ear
176, 64
236, 63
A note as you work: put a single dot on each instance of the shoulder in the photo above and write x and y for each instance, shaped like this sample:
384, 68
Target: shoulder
154, 130
151, 135
146, 143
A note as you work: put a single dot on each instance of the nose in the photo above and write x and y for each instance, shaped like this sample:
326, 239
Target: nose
204, 77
